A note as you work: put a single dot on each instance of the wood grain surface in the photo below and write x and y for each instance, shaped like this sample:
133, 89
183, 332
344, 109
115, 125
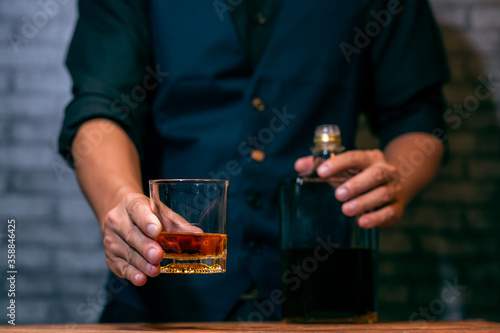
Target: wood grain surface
402, 327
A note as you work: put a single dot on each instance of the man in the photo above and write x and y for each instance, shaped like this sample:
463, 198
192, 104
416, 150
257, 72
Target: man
234, 90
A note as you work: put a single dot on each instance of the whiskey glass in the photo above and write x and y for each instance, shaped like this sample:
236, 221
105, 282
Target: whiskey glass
200, 206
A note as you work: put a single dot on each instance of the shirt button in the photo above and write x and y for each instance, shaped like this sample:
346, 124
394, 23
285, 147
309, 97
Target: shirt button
260, 18
258, 104
258, 155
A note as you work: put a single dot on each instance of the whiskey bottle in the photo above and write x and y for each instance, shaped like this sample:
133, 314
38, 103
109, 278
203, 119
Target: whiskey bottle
328, 262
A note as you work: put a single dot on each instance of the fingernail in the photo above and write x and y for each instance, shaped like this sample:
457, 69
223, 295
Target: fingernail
350, 207
364, 222
150, 268
152, 229
323, 168
342, 193
137, 278
152, 254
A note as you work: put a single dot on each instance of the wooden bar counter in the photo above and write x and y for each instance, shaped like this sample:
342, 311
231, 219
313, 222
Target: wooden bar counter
402, 327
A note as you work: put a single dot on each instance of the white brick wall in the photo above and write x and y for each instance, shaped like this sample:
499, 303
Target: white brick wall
58, 238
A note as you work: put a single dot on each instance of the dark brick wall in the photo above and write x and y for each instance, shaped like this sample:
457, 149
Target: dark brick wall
449, 234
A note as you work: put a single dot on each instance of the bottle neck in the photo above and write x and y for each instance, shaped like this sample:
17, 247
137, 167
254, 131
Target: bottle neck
320, 154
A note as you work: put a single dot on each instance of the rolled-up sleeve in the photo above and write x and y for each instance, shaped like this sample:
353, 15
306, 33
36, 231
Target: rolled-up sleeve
407, 71
109, 61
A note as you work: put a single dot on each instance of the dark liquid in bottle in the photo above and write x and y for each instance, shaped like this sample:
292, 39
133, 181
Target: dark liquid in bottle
321, 287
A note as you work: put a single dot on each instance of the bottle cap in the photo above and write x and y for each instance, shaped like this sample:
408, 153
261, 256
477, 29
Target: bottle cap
326, 134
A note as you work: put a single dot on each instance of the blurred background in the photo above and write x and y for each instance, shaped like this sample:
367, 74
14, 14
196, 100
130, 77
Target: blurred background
440, 262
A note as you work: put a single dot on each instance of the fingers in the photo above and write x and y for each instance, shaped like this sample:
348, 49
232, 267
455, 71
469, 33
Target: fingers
367, 184
371, 177
130, 251
371, 200
143, 222
304, 165
350, 160
373, 193
124, 270
126, 262
129, 229
378, 208
383, 217
140, 212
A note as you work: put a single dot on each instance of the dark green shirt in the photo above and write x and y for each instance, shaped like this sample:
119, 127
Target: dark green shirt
199, 100
253, 20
